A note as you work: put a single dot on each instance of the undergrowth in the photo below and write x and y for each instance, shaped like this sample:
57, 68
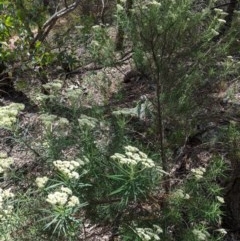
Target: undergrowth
118, 168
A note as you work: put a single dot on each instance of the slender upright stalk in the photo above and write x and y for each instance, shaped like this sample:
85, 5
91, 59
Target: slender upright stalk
160, 118
120, 30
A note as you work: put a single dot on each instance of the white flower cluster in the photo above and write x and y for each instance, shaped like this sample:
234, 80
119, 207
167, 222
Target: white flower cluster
133, 156
220, 20
62, 122
5, 162
74, 95
63, 197
39, 97
146, 5
87, 121
67, 168
41, 181
54, 86
119, 8
147, 234
201, 234
5, 194
198, 172
222, 231
47, 120
180, 194
56, 125
220, 12
155, 3
96, 27
220, 199
8, 115
214, 32
5, 208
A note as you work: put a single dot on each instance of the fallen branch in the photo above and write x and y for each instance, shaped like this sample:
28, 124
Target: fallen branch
49, 24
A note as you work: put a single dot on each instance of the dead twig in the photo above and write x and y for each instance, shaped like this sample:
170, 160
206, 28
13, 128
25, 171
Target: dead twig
49, 24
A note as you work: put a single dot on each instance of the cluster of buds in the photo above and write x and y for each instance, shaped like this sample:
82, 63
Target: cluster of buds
41, 181
5, 208
154, 3
179, 193
220, 199
5, 162
201, 234
47, 120
8, 115
74, 95
148, 234
133, 156
198, 172
54, 86
67, 168
60, 126
220, 20
63, 197
220, 12
87, 121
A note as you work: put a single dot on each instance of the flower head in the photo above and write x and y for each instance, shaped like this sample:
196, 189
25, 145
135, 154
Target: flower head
73, 201
6, 193
214, 32
5, 162
8, 115
198, 172
222, 231
133, 157
220, 20
63, 197
220, 199
57, 198
67, 168
41, 181
200, 234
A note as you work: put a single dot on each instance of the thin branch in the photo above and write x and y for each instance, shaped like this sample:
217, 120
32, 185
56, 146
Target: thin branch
221, 5
107, 201
48, 25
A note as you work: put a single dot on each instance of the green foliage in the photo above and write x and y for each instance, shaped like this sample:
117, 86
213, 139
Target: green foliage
233, 135
101, 47
197, 204
134, 175
92, 168
177, 56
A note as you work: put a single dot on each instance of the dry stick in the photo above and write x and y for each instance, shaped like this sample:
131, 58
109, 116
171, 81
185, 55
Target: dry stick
92, 67
48, 25
103, 11
222, 5
160, 125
